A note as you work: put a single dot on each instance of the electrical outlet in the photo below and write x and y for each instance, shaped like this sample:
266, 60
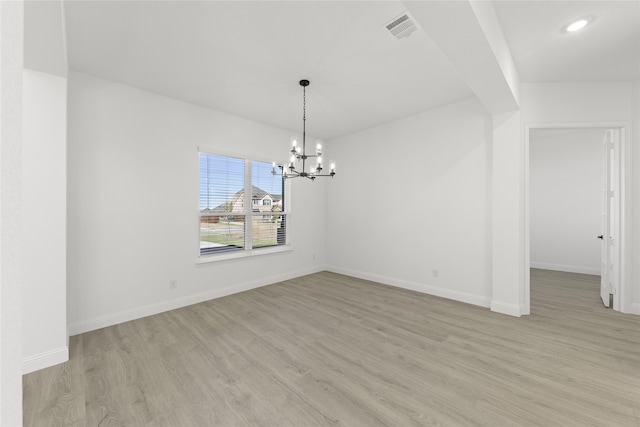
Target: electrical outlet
173, 284
436, 273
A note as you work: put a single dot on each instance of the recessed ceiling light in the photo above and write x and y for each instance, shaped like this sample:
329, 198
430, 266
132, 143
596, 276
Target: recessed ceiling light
578, 25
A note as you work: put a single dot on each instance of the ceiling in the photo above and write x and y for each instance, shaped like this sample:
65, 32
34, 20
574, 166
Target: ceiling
246, 58
608, 49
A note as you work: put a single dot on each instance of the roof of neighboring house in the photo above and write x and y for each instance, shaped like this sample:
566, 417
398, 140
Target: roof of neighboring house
257, 193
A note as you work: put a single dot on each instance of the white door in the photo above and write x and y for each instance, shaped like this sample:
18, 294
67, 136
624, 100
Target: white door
609, 266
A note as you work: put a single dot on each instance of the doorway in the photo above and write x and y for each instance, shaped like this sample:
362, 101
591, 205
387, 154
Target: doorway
574, 207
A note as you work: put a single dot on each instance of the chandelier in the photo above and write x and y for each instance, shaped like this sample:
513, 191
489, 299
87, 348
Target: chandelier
298, 153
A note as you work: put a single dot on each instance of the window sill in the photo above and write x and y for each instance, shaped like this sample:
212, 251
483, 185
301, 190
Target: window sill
206, 259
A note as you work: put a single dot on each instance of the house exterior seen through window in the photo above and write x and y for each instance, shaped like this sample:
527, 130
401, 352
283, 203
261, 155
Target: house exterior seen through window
227, 185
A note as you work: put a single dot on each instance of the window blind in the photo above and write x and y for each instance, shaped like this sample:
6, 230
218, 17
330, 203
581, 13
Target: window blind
222, 212
268, 218
241, 204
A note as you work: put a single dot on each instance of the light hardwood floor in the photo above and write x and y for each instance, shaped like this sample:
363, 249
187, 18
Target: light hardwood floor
330, 350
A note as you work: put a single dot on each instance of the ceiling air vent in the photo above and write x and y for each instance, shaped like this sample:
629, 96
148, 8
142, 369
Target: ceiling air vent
402, 26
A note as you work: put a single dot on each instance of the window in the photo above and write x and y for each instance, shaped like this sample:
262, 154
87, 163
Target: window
227, 185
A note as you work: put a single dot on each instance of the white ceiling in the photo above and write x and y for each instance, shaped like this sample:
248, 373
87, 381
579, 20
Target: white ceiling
608, 49
246, 58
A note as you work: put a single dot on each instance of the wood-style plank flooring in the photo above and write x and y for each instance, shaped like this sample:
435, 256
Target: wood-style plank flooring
330, 350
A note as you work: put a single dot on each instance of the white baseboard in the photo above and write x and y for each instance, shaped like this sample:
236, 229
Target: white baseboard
45, 360
506, 308
414, 286
635, 308
151, 309
566, 268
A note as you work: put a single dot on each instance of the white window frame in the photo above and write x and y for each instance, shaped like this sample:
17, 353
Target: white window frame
248, 251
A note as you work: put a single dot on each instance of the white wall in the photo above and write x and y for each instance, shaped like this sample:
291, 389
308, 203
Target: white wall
11, 63
44, 206
635, 191
412, 196
133, 204
508, 294
593, 103
566, 199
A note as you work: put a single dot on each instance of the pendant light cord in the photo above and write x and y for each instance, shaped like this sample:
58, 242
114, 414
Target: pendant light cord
304, 118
